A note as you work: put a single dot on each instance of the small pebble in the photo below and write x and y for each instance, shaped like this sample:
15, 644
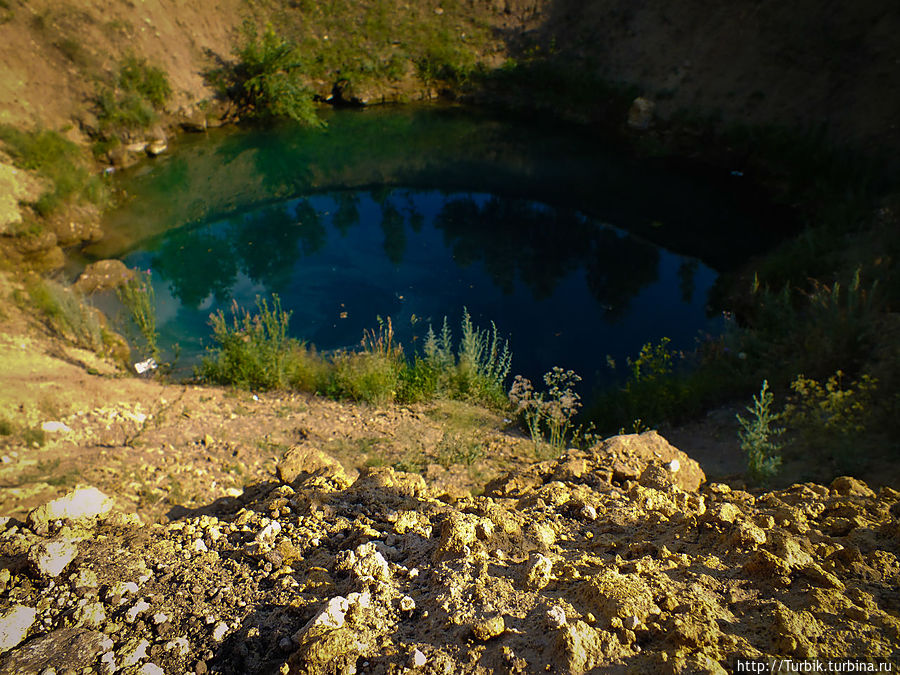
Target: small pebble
219, 631
417, 659
556, 617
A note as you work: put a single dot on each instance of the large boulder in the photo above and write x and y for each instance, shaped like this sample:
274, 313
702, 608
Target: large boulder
646, 458
103, 275
306, 460
629, 457
80, 507
81, 648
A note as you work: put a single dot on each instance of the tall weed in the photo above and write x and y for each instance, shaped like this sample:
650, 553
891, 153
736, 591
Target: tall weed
758, 437
475, 372
139, 298
830, 325
553, 410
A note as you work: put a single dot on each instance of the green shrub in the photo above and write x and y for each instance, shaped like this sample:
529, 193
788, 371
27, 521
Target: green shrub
653, 362
254, 350
653, 391
830, 418
419, 381
307, 370
149, 82
445, 60
831, 325
759, 437
123, 111
269, 77
476, 372
364, 376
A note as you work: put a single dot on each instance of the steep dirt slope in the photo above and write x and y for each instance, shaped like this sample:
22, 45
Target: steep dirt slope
802, 64
53, 52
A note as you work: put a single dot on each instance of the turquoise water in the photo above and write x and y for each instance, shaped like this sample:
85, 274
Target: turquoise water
574, 252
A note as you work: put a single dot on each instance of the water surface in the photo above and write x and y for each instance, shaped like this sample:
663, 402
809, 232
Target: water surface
574, 251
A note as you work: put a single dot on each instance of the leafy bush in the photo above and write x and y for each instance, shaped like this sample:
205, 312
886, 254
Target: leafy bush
269, 77
829, 417
419, 381
478, 369
149, 82
123, 111
653, 391
653, 362
254, 351
759, 438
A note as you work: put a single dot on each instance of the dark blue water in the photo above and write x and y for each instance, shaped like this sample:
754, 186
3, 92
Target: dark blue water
416, 219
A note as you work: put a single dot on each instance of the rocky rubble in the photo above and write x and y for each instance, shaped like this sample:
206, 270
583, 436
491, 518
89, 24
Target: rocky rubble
618, 558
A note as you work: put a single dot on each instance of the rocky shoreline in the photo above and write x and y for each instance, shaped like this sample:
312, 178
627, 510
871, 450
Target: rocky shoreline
616, 559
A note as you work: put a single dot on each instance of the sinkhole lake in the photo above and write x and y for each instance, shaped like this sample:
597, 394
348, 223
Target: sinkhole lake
575, 251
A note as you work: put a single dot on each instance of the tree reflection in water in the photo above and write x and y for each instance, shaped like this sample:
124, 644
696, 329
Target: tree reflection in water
515, 240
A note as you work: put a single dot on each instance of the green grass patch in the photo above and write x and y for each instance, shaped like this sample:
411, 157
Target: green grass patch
352, 48
57, 159
65, 312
